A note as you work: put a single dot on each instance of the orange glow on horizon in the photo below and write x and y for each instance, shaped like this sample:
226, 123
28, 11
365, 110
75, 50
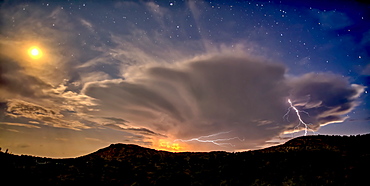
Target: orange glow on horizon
168, 145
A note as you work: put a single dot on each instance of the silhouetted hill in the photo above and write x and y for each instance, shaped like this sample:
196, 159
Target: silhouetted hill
307, 160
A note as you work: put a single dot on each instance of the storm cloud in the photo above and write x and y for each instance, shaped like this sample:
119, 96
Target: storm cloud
245, 96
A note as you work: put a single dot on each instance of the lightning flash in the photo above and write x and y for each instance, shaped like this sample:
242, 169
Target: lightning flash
306, 127
210, 139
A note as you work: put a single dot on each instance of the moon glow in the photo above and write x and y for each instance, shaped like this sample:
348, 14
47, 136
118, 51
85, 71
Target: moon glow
34, 52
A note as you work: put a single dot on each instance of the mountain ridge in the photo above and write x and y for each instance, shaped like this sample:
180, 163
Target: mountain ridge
306, 160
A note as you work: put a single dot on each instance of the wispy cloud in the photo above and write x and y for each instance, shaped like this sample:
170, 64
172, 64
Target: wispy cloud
19, 125
12, 130
22, 109
137, 130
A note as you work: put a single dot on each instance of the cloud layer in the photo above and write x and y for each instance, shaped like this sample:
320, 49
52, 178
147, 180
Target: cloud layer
240, 96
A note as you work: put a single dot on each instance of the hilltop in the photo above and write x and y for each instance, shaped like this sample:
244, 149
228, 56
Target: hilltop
307, 160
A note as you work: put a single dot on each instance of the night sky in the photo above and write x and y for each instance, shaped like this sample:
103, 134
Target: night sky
76, 76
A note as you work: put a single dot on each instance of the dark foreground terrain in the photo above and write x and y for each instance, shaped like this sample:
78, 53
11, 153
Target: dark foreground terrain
308, 160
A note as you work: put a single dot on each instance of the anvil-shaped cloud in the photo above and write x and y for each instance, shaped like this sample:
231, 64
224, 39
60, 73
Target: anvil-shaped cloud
206, 95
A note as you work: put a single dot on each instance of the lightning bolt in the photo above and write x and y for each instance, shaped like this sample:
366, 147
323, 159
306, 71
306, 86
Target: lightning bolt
218, 141
306, 127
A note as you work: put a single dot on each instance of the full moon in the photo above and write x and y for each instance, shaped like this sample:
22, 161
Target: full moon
35, 52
